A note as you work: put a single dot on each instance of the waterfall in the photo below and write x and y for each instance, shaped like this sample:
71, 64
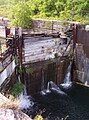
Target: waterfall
48, 88
86, 83
43, 90
52, 87
25, 101
67, 80
46, 91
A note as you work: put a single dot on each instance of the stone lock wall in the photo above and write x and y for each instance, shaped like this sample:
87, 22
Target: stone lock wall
47, 27
82, 56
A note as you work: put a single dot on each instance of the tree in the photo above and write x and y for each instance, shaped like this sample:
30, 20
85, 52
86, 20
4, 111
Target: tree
20, 15
62, 9
34, 6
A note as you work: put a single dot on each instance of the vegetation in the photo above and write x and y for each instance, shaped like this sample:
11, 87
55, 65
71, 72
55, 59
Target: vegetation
21, 11
17, 89
30, 70
21, 70
20, 15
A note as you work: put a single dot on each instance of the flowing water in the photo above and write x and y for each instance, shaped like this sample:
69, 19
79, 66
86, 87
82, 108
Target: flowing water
46, 91
67, 80
86, 83
48, 88
53, 87
25, 101
59, 105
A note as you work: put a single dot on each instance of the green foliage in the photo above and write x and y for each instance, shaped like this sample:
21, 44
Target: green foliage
17, 89
22, 10
30, 70
21, 70
20, 15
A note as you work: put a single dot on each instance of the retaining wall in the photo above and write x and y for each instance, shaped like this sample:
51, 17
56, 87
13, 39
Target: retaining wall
82, 56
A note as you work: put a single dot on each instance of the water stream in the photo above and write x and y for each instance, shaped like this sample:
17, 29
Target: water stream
48, 88
25, 101
43, 90
75, 106
53, 87
46, 91
86, 83
67, 80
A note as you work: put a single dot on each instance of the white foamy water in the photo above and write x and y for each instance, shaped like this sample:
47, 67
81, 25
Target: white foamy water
25, 101
67, 81
66, 85
86, 83
48, 88
46, 91
43, 92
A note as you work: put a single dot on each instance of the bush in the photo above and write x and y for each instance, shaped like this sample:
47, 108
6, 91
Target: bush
30, 70
20, 15
17, 89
